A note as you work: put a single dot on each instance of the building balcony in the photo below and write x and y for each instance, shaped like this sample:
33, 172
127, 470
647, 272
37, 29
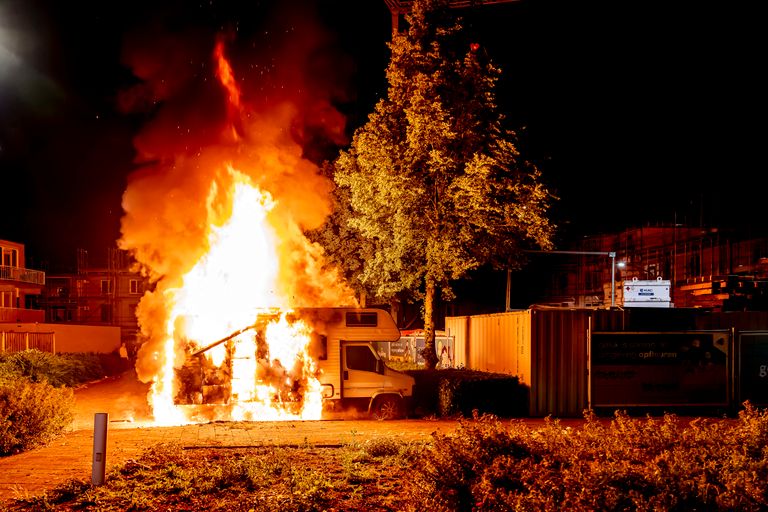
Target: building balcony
18, 315
22, 275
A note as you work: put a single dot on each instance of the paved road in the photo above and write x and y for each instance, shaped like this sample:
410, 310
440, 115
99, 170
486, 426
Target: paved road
130, 431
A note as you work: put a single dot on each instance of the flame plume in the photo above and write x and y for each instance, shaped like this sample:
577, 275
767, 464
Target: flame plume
218, 227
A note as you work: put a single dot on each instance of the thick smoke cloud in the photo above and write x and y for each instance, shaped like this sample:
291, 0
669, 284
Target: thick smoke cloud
276, 133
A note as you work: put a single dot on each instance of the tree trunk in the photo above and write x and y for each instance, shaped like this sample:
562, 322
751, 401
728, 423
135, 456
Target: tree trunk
430, 357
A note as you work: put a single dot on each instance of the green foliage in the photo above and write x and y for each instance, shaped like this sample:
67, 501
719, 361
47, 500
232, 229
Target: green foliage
626, 464
433, 186
36, 402
450, 392
32, 414
67, 369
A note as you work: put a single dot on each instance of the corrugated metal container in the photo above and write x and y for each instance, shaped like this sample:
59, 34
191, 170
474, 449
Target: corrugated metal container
545, 348
498, 342
548, 348
559, 378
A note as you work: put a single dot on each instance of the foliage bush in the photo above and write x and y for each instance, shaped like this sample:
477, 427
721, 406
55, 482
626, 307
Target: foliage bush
624, 464
450, 392
618, 463
32, 414
36, 399
66, 369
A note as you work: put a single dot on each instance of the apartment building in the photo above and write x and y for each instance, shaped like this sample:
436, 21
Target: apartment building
102, 291
706, 268
20, 287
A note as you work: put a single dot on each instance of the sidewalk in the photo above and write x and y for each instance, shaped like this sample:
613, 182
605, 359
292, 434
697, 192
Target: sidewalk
129, 433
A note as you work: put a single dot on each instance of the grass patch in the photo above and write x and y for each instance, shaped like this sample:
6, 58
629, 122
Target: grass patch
488, 464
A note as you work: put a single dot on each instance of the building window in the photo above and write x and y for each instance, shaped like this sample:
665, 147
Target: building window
133, 286
694, 264
106, 286
106, 313
60, 314
10, 258
319, 346
364, 319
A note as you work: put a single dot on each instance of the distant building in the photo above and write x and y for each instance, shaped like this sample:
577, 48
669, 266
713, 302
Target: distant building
106, 293
20, 287
706, 268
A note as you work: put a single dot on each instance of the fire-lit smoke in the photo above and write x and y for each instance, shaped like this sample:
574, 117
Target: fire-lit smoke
215, 216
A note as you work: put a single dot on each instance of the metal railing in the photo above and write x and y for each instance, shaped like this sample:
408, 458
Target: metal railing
20, 341
24, 275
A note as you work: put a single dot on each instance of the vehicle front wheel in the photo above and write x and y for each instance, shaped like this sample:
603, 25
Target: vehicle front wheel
387, 408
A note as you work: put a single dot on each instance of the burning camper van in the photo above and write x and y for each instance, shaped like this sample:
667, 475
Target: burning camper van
338, 370
242, 318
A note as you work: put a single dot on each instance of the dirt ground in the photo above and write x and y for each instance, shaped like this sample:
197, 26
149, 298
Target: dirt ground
132, 431
124, 398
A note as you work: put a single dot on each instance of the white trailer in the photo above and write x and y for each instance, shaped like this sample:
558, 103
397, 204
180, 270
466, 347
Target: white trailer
646, 293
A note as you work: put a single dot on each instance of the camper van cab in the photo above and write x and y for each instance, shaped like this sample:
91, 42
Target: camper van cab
352, 373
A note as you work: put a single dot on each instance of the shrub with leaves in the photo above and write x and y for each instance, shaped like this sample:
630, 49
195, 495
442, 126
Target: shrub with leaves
624, 464
67, 369
32, 414
450, 392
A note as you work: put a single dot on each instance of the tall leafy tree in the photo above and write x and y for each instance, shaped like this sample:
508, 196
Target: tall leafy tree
432, 185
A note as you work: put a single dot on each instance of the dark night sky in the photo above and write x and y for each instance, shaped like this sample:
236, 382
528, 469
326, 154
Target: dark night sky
636, 113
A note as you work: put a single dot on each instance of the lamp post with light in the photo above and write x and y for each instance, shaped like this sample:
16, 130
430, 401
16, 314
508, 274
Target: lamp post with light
610, 254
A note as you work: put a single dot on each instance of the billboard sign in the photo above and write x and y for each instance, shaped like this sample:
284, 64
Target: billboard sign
408, 349
659, 368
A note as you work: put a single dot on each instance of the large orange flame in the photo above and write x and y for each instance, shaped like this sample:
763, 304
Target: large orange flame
228, 269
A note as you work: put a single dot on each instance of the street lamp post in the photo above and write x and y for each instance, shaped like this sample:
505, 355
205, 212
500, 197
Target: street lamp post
611, 254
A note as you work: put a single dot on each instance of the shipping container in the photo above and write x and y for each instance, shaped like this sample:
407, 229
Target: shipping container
546, 348
498, 342
550, 351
